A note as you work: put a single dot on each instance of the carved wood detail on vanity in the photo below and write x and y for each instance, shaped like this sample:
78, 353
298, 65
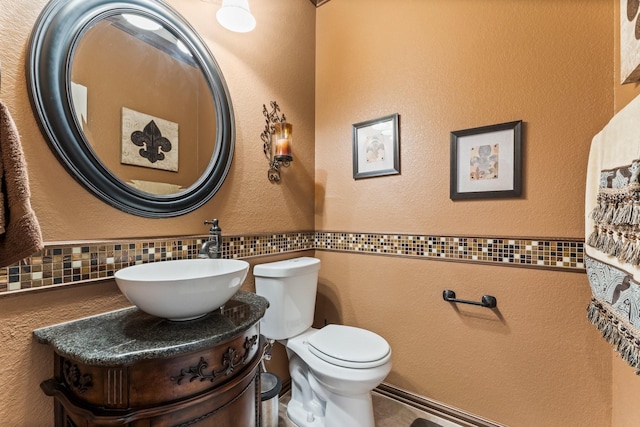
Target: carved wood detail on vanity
230, 360
76, 380
116, 387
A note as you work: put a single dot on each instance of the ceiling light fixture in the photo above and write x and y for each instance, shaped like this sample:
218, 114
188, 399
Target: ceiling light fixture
234, 15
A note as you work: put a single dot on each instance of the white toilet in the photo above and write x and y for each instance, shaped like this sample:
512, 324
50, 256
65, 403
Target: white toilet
333, 369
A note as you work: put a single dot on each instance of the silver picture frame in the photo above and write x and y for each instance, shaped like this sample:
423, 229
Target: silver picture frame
376, 147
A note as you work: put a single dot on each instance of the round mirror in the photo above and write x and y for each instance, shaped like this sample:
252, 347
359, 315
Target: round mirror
132, 103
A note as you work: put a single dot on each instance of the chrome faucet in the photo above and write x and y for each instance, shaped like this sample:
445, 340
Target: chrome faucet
212, 248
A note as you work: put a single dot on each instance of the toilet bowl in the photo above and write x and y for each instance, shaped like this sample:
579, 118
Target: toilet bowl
333, 369
343, 391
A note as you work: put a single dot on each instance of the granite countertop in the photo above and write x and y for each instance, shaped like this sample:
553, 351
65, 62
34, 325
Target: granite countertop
129, 335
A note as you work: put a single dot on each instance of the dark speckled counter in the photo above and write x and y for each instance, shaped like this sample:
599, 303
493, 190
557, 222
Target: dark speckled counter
129, 335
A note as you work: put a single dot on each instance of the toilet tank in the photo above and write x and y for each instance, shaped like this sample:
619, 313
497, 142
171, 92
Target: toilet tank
290, 287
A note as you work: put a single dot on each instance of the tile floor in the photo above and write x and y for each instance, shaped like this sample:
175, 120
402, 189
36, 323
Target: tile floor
388, 413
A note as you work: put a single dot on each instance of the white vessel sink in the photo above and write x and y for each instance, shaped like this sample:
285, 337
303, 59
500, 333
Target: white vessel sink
182, 289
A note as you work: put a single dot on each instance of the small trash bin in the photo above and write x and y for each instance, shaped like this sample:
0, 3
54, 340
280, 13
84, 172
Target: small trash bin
270, 386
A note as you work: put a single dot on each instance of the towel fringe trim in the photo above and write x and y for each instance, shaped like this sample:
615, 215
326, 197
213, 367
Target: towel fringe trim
618, 206
617, 332
624, 245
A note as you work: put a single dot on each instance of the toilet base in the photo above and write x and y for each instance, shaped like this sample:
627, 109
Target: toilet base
352, 411
326, 395
301, 417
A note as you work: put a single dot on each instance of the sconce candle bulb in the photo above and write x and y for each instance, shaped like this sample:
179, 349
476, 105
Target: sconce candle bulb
283, 137
276, 138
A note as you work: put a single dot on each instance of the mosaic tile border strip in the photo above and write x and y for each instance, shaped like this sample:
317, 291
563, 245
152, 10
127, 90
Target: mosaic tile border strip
539, 253
60, 264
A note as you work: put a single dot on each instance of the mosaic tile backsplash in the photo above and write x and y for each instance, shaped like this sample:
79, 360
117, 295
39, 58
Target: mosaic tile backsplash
88, 261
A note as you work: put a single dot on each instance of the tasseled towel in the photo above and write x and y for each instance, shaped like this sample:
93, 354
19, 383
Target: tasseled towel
20, 234
614, 309
612, 228
616, 216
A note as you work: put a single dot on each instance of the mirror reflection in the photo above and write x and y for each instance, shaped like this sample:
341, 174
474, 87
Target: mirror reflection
143, 104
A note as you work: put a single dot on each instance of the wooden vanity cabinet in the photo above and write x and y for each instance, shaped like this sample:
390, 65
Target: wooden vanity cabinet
213, 385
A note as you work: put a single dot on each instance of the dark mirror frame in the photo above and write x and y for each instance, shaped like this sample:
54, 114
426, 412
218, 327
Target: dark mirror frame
56, 33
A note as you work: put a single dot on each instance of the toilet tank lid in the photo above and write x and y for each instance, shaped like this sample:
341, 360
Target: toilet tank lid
287, 268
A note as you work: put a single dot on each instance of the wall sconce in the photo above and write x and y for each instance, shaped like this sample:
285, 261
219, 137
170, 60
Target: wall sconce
234, 15
276, 129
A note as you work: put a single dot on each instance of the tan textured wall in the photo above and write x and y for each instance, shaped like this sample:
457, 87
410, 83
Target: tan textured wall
626, 389
259, 67
626, 384
448, 65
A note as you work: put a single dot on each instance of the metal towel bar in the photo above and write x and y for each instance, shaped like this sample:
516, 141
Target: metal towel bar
487, 300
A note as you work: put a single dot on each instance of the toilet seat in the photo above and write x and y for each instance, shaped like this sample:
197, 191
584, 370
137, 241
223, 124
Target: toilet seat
349, 347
